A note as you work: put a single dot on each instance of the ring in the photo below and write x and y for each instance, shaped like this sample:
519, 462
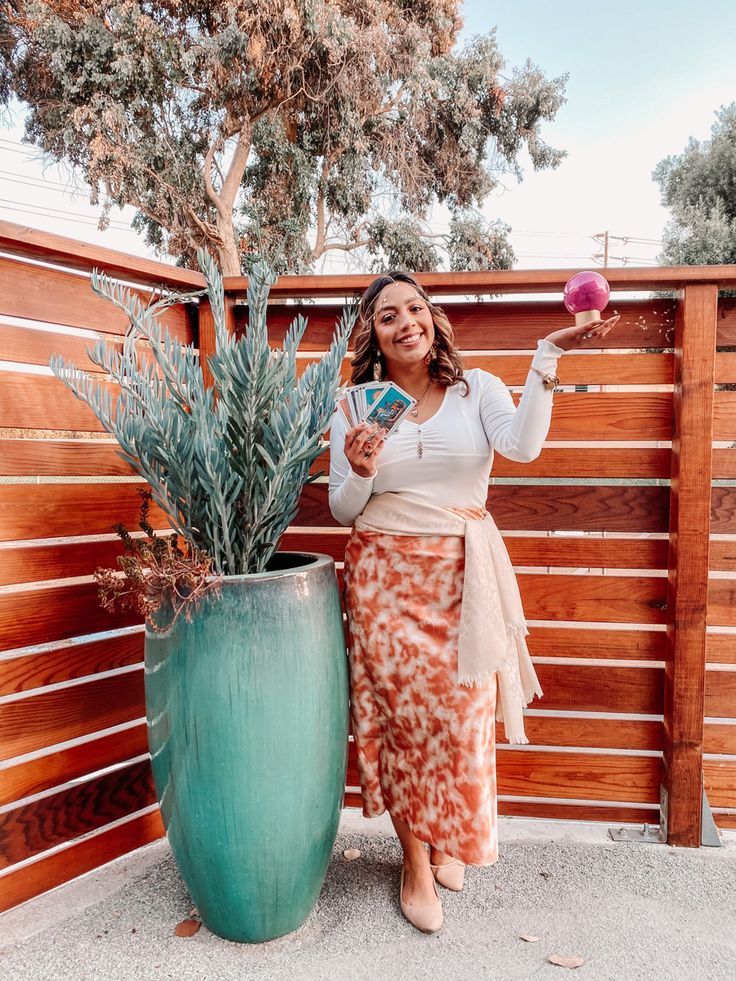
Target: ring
587, 335
367, 452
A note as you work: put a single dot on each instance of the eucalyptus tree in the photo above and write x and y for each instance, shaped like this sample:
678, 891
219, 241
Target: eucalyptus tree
699, 187
310, 125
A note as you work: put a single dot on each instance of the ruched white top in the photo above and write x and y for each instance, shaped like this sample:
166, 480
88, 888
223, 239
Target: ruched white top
458, 441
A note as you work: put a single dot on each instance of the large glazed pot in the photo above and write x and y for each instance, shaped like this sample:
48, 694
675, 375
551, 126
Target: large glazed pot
248, 726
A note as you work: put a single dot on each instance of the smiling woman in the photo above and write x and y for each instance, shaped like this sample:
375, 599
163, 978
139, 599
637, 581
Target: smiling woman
435, 623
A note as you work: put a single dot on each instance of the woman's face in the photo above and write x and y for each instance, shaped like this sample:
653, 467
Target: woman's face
403, 325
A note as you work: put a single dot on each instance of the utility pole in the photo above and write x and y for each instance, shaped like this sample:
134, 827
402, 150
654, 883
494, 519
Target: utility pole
602, 255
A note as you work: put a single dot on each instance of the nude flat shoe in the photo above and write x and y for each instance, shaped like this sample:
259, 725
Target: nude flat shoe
427, 917
451, 875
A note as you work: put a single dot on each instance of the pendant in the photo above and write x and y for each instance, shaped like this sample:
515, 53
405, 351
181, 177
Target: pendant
420, 445
414, 411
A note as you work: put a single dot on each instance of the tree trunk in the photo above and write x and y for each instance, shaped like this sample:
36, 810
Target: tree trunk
228, 253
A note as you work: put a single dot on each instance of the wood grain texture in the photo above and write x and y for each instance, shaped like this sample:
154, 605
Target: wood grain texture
689, 534
51, 770
29, 401
58, 297
719, 737
612, 553
83, 856
719, 698
530, 773
501, 281
33, 828
599, 688
62, 458
723, 511
41, 721
69, 662
36, 561
635, 645
44, 614
24, 345
593, 733
579, 812
32, 243
721, 602
720, 648
611, 508
616, 599
59, 510
720, 780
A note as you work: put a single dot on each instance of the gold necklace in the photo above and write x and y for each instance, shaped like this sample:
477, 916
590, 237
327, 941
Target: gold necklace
414, 411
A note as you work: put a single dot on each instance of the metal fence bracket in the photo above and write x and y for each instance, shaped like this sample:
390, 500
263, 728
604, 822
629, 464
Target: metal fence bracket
650, 832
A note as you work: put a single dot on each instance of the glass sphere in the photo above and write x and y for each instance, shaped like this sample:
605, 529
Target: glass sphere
586, 291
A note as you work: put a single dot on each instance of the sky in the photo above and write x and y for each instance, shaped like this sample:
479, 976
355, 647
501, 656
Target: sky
644, 77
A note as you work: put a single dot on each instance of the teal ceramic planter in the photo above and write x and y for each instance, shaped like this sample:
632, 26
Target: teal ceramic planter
247, 711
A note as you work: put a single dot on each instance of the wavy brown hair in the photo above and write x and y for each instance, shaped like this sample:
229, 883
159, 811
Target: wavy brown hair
446, 368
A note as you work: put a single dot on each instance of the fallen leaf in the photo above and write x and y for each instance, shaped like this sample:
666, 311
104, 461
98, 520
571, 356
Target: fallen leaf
187, 928
528, 937
351, 854
565, 960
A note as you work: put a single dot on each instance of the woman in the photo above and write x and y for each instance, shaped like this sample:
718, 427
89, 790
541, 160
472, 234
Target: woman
436, 628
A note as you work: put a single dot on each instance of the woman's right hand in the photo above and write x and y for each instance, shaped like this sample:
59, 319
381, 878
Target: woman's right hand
363, 443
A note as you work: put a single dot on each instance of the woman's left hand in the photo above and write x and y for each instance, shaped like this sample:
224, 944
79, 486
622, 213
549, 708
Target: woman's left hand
570, 337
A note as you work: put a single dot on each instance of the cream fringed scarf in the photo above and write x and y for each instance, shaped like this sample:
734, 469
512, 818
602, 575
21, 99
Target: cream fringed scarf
492, 624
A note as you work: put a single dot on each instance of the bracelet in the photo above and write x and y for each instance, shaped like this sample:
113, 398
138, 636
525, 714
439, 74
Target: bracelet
548, 381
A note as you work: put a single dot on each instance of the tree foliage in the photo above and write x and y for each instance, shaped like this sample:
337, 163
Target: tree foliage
313, 125
699, 186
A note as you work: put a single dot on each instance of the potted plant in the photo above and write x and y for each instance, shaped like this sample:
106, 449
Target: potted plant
246, 693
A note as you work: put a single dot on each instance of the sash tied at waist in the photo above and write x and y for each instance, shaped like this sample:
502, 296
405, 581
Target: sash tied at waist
492, 624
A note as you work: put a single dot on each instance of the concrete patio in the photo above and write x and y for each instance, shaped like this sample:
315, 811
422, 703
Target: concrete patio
631, 910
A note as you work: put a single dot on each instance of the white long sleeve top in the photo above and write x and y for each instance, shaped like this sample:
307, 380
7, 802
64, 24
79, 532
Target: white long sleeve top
458, 441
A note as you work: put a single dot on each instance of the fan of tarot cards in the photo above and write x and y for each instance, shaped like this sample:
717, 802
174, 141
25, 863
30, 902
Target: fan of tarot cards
382, 403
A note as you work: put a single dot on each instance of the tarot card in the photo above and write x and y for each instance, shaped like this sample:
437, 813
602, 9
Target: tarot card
390, 409
344, 406
373, 391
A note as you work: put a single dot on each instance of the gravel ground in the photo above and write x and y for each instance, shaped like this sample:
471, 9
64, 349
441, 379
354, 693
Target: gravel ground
631, 910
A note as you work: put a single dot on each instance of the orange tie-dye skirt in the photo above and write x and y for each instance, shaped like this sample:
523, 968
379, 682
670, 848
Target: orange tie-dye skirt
425, 744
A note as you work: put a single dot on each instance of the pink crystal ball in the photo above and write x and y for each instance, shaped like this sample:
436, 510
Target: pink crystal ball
586, 291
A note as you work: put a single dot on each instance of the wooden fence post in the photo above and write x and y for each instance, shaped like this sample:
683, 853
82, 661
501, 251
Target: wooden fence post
206, 332
687, 589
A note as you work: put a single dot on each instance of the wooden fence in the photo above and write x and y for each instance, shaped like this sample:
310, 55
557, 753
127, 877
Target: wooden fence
623, 533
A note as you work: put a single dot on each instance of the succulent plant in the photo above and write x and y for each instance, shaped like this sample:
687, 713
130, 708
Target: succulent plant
226, 463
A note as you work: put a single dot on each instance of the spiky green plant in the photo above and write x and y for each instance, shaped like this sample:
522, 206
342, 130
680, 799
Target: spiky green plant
227, 463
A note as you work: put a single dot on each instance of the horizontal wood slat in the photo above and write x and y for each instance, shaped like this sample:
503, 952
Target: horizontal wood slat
34, 562
723, 511
69, 662
29, 401
600, 688
616, 644
722, 556
32, 243
83, 856
60, 510
25, 345
613, 508
52, 717
720, 697
616, 599
579, 812
531, 773
611, 553
33, 828
719, 779
591, 733
722, 602
49, 613
57, 297
724, 416
720, 648
54, 769
497, 326
61, 458
719, 737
